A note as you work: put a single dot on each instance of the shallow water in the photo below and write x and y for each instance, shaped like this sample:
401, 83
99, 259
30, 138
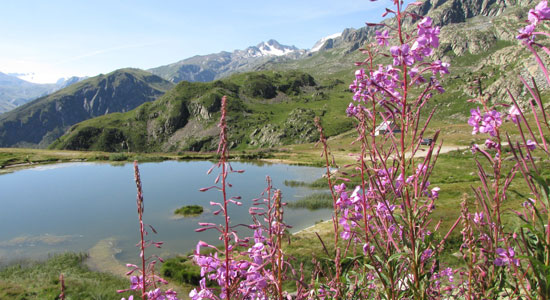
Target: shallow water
70, 207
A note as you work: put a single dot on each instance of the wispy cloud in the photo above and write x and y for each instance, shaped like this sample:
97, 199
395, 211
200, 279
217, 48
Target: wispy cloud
105, 51
300, 11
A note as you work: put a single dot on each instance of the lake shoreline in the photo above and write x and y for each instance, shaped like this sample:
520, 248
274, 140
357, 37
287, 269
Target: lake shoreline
14, 159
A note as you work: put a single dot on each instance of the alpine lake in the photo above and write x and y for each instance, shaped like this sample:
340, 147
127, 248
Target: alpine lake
82, 206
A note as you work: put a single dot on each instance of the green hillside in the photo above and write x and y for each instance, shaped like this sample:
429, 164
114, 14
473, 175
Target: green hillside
40, 122
265, 109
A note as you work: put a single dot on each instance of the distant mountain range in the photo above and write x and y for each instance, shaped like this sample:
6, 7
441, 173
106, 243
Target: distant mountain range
40, 122
214, 66
15, 91
477, 37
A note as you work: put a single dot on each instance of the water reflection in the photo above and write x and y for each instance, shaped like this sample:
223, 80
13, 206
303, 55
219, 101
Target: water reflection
73, 206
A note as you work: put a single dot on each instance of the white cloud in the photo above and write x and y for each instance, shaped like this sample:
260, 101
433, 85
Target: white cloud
41, 72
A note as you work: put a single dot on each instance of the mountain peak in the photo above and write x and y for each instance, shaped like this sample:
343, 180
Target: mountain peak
213, 66
273, 48
321, 43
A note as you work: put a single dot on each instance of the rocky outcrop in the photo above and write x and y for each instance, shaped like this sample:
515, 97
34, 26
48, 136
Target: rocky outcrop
298, 128
445, 12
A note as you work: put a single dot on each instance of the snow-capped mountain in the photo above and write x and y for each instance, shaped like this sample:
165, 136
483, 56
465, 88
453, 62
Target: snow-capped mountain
214, 66
320, 43
263, 49
272, 47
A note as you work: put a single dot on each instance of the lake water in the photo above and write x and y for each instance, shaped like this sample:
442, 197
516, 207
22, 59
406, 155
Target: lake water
70, 207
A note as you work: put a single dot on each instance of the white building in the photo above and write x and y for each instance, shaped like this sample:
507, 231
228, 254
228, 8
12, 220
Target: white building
386, 127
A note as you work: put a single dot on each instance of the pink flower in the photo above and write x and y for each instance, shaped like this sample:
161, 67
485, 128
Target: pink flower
426, 255
513, 114
351, 111
478, 218
435, 192
506, 257
441, 67
136, 283
491, 123
541, 12
531, 145
401, 55
368, 249
491, 144
526, 33
382, 38
474, 120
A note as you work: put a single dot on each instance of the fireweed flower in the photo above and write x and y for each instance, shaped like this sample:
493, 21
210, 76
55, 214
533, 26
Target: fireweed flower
531, 145
539, 13
513, 114
449, 273
474, 120
426, 255
136, 283
435, 192
402, 55
382, 38
204, 293
428, 38
367, 248
441, 67
351, 111
506, 257
526, 33
490, 123
490, 144
478, 218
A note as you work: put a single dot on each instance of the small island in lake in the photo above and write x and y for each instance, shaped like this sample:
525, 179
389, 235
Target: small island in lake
189, 210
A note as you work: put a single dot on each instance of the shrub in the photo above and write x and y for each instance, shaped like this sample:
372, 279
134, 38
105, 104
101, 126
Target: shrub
189, 210
118, 157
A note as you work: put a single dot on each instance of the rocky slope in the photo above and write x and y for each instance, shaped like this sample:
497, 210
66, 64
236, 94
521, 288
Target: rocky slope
214, 66
477, 38
40, 122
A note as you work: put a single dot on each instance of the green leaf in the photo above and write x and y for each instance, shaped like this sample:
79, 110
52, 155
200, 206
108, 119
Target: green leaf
395, 256
543, 183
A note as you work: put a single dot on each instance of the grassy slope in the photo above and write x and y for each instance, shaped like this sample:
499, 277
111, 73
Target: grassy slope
247, 111
40, 280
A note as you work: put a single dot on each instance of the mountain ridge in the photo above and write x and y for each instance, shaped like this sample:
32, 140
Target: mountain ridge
213, 66
15, 91
40, 122
481, 46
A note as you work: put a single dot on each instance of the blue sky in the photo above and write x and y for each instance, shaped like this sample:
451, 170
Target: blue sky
61, 38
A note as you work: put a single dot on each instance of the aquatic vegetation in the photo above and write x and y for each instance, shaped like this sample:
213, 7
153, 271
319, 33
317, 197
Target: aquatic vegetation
189, 210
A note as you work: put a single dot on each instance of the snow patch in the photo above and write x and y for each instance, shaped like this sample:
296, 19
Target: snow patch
322, 41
